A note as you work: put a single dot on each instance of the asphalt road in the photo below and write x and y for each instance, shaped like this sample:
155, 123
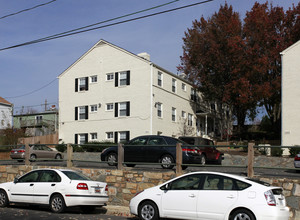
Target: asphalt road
25, 212
264, 172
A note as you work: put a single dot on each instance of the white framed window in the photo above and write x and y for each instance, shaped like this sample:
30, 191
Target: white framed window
83, 138
94, 79
109, 135
109, 106
81, 113
94, 136
193, 94
173, 114
82, 84
174, 84
39, 119
94, 108
122, 108
123, 136
159, 110
159, 79
190, 119
183, 86
109, 76
122, 78
183, 114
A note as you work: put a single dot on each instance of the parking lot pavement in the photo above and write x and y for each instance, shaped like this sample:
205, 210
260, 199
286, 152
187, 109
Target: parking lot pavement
25, 212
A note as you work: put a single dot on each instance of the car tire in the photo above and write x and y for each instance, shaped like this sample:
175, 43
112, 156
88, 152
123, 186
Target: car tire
148, 211
202, 159
3, 199
57, 203
58, 157
242, 214
166, 161
112, 159
130, 165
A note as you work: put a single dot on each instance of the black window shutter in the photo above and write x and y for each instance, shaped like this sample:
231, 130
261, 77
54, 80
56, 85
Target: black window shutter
76, 85
127, 135
128, 78
116, 109
116, 137
116, 79
86, 83
127, 108
86, 138
76, 139
86, 112
76, 113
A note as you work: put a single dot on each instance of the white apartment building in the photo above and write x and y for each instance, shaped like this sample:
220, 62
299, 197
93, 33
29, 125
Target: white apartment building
112, 94
6, 112
290, 126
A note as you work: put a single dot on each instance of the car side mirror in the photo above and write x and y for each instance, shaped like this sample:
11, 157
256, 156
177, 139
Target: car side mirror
16, 180
165, 187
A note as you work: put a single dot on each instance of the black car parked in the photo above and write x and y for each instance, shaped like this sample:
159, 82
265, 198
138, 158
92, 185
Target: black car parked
152, 149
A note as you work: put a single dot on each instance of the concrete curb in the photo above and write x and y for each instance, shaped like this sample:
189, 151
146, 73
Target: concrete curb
118, 211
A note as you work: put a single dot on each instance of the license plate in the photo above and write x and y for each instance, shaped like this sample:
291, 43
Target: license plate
97, 190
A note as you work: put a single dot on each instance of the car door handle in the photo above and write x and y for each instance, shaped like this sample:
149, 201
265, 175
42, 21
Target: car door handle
31, 184
230, 197
192, 196
53, 184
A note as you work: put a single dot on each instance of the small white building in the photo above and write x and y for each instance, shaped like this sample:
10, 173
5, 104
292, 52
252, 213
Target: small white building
112, 94
6, 112
291, 96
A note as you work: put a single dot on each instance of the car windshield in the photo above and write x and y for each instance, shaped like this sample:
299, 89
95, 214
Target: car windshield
75, 176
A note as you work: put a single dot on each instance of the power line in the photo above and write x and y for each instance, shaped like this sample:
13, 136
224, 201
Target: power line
28, 9
103, 26
29, 93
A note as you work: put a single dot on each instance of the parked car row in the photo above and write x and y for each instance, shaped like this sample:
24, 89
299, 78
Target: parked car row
196, 195
35, 152
297, 161
162, 149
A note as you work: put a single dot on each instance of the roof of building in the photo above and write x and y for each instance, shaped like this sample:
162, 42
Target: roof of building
4, 101
290, 47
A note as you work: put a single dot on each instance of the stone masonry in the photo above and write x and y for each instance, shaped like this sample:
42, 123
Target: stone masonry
124, 184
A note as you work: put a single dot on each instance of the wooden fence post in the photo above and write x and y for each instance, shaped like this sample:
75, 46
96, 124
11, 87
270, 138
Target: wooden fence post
250, 170
69, 155
178, 159
120, 156
27, 155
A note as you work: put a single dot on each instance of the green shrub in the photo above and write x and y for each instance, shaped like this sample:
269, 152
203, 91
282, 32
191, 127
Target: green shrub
294, 151
276, 151
61, 147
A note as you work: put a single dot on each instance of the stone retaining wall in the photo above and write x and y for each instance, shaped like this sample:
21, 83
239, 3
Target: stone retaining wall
124, 184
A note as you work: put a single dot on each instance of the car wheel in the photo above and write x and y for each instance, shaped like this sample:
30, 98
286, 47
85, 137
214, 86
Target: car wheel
58, 157
148, 211
3, 199
112, 159
242, 214
202, 159
57, 204
32, 157
166, 161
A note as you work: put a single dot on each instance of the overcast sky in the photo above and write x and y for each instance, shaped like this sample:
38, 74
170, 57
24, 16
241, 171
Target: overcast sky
29, 73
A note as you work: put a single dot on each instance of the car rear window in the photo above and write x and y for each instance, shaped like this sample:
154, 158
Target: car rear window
75, 176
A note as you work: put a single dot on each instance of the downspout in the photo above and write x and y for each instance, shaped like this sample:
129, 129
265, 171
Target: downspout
151, 98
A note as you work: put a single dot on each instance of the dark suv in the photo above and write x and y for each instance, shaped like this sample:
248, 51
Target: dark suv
207, 150
152, 149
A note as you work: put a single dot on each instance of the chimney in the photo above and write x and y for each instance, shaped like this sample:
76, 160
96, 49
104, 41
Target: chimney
144, 55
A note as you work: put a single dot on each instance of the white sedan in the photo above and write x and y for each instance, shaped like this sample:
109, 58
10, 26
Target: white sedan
211, 195
57, 188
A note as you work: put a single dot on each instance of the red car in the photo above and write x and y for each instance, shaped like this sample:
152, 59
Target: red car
206, 147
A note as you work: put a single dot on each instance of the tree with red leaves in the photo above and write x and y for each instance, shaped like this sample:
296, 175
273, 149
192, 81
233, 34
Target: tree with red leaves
237, 64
